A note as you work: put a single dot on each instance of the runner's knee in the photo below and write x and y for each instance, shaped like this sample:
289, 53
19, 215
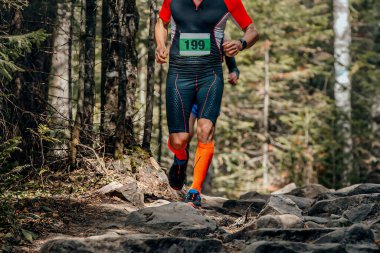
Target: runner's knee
205, 130
179, 141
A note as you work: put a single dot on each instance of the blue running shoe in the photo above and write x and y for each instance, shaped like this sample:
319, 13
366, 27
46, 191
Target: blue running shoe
193, 197
177, 173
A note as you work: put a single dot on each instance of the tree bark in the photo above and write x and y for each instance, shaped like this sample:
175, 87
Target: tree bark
150, 78
110, 74
59, 85
129, 28
119, 74
78, 123
342, 88
89, 73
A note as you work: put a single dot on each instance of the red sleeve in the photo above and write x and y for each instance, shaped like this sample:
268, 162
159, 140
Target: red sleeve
165, 12
238, 12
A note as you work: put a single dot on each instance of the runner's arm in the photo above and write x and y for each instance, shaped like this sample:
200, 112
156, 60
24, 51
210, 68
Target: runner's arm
161, 35
232, 66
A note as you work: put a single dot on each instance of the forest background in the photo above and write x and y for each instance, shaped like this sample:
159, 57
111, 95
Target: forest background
78, 84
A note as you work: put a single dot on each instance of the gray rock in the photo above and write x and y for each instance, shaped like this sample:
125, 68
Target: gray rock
358, 189
279, 221
255, 195
241, 207
128, 191
357, 233
174, 218
279, 204
309, 191
338, 205
360, 212
131, 243
250, 233
292, 247
302, 203
328, 222
362, 248
286, 189
312, 224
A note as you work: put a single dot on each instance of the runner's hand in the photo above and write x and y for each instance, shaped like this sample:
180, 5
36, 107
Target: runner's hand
232, 47
161, 54
233, 78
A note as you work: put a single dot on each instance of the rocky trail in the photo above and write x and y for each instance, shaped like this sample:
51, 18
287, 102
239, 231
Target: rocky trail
143, 214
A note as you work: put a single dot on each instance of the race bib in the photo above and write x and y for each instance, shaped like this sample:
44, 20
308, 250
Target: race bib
194, 44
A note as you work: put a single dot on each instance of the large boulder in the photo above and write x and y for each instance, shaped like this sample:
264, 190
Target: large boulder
114, 242
310, 191
175, 218
279, 204
361, 212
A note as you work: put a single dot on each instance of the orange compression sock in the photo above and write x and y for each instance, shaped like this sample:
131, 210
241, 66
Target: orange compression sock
203, 157
179, 153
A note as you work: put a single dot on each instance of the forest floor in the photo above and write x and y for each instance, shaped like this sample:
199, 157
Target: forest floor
129, 207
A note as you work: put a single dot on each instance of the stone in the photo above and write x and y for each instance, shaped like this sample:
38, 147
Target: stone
178, 219
357, 233
241, 207
213, 201
154, 183
128, 191
113, 242
286, 189
302, 203
255, 195
279, 221
310, 191
339, 205
312, 224
250, 233
110, 187
279, 204
292, 247
358, 189
361, 212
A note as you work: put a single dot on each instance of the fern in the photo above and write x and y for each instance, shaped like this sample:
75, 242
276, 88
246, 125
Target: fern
7, 148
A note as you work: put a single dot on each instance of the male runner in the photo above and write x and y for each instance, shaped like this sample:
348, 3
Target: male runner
195, 75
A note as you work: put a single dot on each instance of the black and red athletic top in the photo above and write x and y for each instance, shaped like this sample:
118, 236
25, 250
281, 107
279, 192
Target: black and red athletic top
205, 24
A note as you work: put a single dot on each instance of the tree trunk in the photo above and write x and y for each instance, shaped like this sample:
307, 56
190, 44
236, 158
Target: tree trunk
59, 85
150, 79
342, 88
119, 74
129, 28
110, 74
78, 123
89, 73
266, 118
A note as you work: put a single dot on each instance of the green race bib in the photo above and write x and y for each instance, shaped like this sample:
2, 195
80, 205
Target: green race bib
194, 44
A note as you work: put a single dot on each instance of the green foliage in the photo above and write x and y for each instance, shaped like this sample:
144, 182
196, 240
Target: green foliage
13, 47
7, 148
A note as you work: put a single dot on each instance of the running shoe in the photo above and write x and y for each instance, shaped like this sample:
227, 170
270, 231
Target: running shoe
193, 197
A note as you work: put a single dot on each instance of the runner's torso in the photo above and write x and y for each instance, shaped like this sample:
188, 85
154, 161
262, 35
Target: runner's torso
197, 32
